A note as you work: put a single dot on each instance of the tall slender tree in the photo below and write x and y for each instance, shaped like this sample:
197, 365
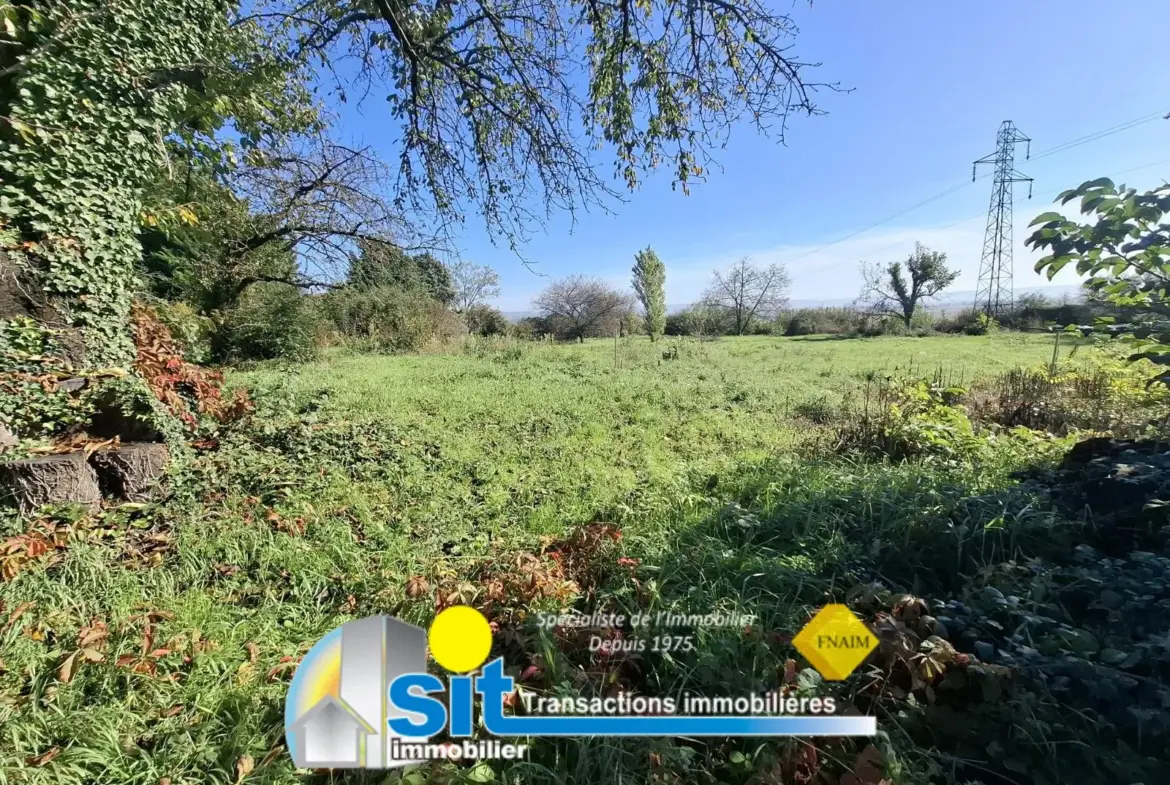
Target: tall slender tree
650, 285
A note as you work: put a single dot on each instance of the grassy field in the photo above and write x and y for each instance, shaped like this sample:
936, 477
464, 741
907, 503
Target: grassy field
534, 438
154, 645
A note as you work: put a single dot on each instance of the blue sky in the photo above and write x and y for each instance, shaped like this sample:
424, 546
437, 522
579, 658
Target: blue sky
931, 83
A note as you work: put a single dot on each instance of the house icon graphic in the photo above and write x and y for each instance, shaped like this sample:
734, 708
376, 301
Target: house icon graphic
348, 728
330, 736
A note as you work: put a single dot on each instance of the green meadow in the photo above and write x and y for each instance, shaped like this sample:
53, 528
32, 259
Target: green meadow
153, 644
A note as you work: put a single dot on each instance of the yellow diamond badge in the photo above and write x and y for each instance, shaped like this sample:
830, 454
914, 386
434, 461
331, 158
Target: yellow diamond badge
835, 642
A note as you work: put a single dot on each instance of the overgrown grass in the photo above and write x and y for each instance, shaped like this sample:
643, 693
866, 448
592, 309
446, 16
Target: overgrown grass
395, 485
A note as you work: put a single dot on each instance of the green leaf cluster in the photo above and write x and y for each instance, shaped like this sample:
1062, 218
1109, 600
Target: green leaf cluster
1123, 250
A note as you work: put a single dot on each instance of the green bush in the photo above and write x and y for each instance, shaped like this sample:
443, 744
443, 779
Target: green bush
819, 321
910, 419
389, 319
800, 323
956, 322
192, 331
1102, 394
270, 321
485, 320
982, 324
699, 321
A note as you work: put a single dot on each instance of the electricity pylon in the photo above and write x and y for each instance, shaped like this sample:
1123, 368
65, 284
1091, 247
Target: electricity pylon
994, 294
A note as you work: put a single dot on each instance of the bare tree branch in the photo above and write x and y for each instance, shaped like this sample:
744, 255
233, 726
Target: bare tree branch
748, 292
501, 103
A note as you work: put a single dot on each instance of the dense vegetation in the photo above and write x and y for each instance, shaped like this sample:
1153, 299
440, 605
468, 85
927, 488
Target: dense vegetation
175, 207
154, 641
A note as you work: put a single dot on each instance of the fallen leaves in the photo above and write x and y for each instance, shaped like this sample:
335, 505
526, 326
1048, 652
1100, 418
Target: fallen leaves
867, 769
21, 549
417, 586
90, 642
146, 661
82, 442
253, 652
244, 766
17, 612
284, 667
44, 758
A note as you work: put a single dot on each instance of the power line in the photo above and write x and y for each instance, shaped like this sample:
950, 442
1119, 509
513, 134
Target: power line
983, 213
1060, 148
887, 219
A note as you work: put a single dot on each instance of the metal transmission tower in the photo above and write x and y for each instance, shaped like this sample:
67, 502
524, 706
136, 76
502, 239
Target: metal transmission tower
994, 293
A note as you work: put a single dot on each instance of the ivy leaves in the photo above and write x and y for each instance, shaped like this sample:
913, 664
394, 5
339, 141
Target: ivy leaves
98, 97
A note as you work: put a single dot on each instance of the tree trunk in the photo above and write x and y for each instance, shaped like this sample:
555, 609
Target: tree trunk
51, 479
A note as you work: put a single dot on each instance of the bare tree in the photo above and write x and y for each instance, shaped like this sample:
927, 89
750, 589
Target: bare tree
586, 305
490, 96
317, 198
885, 290
473, 284
748, 292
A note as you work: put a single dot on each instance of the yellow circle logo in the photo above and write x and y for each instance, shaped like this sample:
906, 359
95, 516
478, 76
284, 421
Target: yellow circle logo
460, 638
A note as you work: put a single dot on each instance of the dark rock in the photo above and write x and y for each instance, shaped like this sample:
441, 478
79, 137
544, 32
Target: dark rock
984, 651
72, 385
1101, 446
50, 479
132, 472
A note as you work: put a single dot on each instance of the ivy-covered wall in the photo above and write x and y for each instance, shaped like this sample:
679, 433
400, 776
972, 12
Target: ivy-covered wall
91, 90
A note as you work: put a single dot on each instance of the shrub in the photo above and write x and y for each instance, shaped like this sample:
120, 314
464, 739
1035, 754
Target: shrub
1101, 395
800, 323
956, 322
871, 326
699, 321
533, 328
982, 324
675, 324
390, 319
192, 331
270, 321
819, 321
908, 419
485, 320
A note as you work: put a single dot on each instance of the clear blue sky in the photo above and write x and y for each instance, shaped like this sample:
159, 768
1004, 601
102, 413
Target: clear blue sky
931, 83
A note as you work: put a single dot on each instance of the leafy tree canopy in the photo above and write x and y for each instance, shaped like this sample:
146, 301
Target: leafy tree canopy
649, 281
380, 264
889, 292
1124, 250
